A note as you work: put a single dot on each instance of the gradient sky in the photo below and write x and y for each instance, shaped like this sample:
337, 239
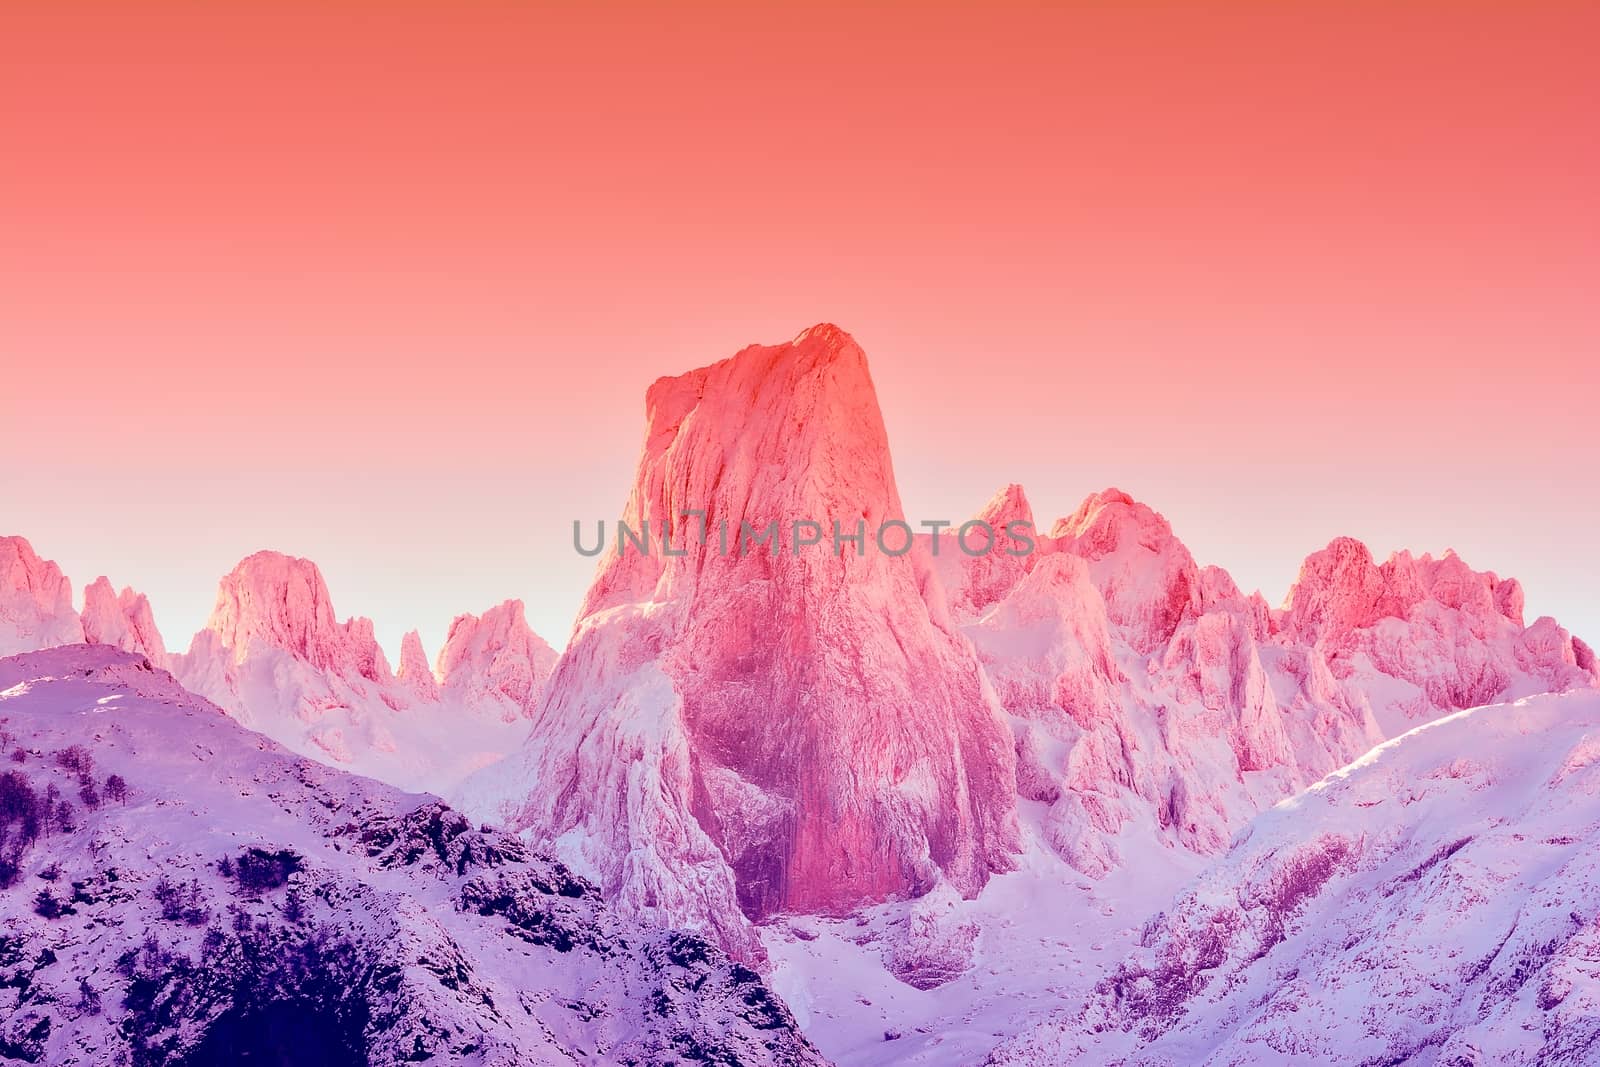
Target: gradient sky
383, 285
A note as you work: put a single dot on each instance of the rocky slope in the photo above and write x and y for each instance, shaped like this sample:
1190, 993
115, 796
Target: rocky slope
1437, 901
765, 730
178, 890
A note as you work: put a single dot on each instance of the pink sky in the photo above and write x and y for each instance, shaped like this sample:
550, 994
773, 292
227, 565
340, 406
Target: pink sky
384, 286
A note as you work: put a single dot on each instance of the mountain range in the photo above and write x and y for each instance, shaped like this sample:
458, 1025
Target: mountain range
1078, 799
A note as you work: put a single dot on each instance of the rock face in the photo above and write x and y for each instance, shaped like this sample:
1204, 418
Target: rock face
122, 620
275, 656
1451, 877
35, 601
229, 902
763, 732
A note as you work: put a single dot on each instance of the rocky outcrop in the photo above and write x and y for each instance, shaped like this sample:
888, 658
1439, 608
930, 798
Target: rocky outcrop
275, 601
414, 673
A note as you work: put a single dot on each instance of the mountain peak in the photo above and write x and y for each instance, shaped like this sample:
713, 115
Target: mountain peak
828, 335
282, 602
776, 433
1009, 504
1340, 589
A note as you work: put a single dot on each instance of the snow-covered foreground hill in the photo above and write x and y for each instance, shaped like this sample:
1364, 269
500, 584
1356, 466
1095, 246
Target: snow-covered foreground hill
1435, 902
182, 891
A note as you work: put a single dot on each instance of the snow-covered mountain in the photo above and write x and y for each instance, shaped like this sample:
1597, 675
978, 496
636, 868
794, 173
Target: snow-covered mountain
1436, 901
178, 890
1147, 691
275, 656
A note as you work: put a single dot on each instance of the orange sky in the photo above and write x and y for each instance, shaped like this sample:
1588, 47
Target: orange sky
384, 284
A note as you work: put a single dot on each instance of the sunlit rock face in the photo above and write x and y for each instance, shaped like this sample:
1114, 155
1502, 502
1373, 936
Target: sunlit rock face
752, 732
277, 601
